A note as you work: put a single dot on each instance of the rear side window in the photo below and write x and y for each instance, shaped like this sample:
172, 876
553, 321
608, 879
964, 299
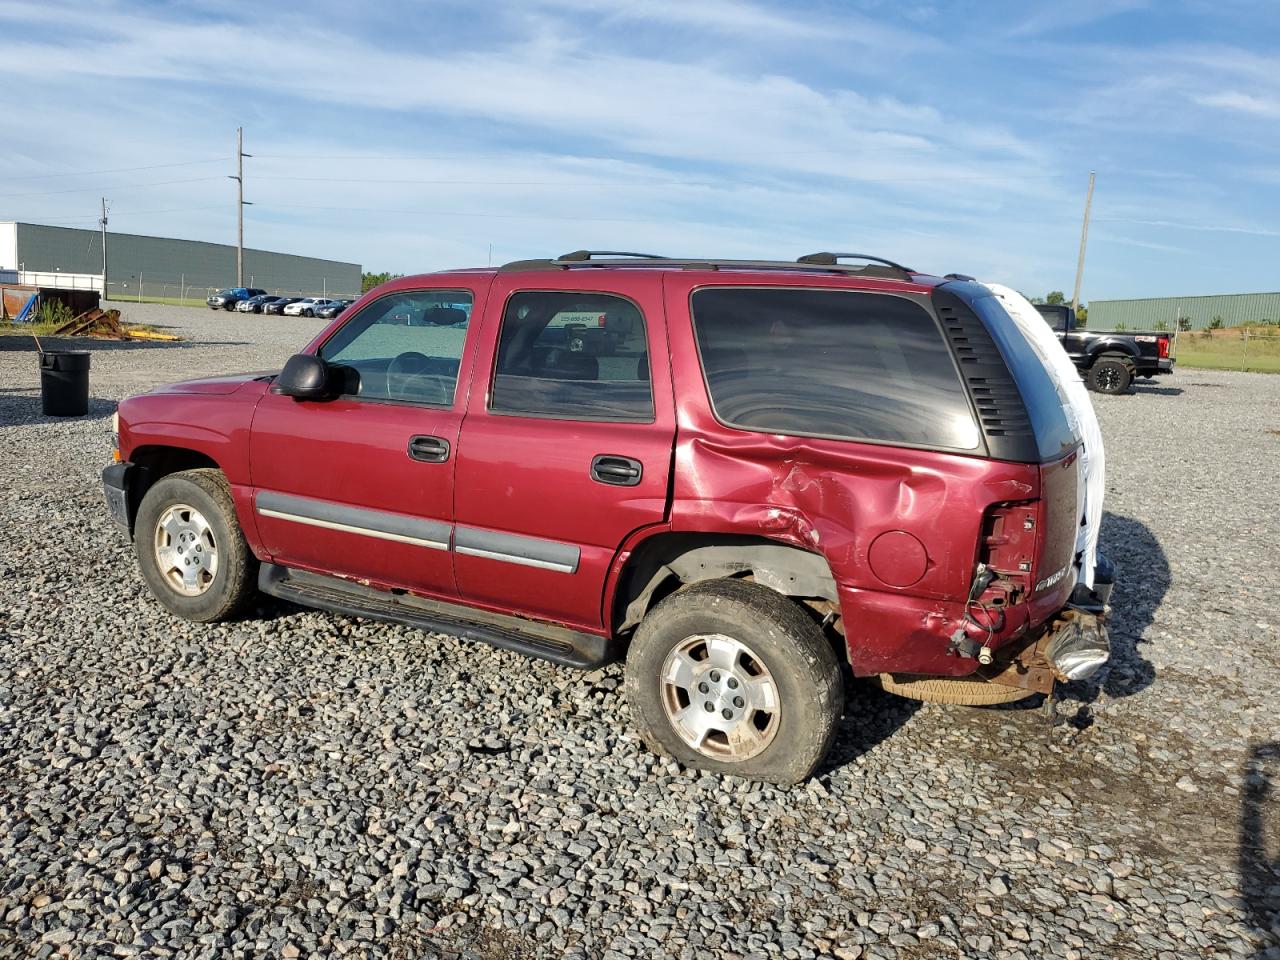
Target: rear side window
572, 356
831, 363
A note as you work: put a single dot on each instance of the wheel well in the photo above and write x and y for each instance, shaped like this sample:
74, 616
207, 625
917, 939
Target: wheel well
664, 563
154, 463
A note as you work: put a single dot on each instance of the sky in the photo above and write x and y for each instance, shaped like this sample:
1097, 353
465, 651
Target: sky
409, 137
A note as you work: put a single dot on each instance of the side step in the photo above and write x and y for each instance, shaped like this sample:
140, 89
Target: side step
560, 645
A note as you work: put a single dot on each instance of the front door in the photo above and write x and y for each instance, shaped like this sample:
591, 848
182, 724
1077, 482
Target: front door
567, 444
362, 485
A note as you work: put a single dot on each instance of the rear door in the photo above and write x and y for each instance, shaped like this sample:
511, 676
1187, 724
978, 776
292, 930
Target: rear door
362, 485
566, 448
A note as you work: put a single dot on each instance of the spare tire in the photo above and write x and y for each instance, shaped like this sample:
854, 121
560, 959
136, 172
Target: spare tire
955, 690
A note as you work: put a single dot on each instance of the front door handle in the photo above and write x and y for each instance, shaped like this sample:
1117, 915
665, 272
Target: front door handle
429, 449
615, 470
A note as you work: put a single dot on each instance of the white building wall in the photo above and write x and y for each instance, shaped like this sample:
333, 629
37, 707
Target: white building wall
8, 245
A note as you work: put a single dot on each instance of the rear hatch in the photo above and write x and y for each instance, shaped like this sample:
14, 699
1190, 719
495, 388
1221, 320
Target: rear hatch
1023, 419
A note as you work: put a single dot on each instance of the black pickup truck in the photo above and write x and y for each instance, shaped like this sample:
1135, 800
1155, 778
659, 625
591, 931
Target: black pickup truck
1108, 360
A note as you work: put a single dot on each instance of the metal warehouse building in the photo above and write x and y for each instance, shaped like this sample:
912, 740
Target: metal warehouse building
160, 266
1162, 313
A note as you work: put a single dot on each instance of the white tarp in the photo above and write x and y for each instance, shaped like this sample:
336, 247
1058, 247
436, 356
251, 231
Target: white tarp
1080, 415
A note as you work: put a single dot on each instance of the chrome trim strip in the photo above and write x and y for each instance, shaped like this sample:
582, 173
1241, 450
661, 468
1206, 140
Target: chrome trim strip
523, 561
525, 551
433, 534
359, 520
346, 528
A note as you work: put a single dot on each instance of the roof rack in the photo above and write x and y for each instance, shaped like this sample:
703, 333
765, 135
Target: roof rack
814, 262
833, 259
578, 256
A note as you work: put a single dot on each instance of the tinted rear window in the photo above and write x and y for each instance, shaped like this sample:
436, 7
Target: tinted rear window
831, 363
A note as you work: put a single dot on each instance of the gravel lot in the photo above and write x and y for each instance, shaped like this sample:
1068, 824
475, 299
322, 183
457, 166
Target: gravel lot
303, 784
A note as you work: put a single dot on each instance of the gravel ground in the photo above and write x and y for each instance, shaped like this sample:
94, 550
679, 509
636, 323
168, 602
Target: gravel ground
304, 784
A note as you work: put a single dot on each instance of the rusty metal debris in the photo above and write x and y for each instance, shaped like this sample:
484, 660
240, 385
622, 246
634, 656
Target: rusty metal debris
106, 324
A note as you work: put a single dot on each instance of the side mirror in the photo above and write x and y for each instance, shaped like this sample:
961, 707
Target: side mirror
304, 377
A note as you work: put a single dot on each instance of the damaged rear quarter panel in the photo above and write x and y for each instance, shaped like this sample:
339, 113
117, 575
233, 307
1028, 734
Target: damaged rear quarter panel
835, 497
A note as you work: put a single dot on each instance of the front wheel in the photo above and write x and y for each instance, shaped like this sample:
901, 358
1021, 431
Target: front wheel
1110, 375
730, 676
308, 313
190, 548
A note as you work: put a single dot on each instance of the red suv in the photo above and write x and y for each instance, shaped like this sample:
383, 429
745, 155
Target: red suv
765, 469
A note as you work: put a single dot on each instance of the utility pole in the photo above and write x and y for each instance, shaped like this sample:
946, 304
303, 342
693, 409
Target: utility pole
240, 205
103, 222
1084, 239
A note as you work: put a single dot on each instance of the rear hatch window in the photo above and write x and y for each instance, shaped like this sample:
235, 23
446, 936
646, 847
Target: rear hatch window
831, 363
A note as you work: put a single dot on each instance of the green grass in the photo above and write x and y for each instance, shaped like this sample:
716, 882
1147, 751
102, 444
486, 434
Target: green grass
27, 329
168, 301
1258, 354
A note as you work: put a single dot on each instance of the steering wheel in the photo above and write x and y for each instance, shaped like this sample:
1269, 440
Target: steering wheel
409, 377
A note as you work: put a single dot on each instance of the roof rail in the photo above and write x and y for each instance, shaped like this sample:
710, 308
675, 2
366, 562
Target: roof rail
586, 259
832, 259
577, 256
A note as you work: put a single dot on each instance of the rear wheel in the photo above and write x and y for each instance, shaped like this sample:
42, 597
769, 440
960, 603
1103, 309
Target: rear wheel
1111, 375
731, 676
190, 548
308, 313
954, 690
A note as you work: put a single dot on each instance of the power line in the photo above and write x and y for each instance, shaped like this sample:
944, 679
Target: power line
613, 184
122, 186
92, 173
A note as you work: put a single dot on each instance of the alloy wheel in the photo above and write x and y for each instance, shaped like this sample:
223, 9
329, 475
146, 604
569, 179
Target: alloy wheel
185, 550
720, 698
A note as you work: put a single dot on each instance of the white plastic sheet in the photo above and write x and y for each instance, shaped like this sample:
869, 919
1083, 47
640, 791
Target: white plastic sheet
1080, 415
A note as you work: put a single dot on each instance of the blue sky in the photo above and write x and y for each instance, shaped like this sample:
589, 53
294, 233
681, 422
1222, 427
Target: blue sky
415, 136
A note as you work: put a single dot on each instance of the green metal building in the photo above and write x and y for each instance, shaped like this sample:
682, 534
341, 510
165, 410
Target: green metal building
160, 266
1162, 313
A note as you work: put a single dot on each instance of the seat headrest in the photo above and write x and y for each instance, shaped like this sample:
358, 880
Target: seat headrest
564, 365
444, 316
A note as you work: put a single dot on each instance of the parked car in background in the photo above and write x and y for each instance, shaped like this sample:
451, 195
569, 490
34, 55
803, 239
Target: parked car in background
1108, 360
307, 306
228, 298
255, 304
781, 466
333, 309
278, 305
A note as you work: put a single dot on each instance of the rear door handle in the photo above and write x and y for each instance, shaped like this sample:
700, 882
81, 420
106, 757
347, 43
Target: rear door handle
615, 470
429, 449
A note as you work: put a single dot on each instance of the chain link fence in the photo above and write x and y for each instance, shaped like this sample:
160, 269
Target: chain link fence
144, 289
1230, 348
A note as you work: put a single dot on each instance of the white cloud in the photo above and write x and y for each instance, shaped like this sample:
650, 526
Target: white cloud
1239, 102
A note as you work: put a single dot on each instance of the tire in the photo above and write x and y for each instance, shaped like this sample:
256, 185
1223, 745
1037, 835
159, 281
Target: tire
953, 690
308, 313
224, 570
1111, 375
756, 642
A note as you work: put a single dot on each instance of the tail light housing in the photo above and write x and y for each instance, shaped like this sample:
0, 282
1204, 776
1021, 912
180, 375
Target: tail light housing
1162, 347
1008, 549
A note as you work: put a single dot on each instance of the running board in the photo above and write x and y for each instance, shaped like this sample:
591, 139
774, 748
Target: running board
568, 648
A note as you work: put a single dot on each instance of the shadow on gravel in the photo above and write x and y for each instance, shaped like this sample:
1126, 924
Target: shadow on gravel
1260, 843
22, 343
15, 411
871, 716
1142, 580
1143, 388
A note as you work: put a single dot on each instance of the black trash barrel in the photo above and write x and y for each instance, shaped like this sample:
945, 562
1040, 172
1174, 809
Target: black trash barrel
64, 383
